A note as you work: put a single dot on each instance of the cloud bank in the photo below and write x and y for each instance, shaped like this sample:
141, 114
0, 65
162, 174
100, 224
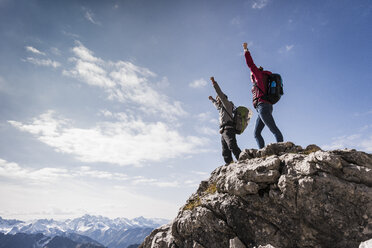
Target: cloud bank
34, 50
360, 140
126, 141
122, 81
42, 62
200, 83
50, 175
89, 15
52, 188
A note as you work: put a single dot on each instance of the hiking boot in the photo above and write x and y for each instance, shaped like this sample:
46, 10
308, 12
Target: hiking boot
227, 164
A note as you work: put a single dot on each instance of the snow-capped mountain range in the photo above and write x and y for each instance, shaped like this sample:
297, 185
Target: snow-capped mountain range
109, 232
24, 240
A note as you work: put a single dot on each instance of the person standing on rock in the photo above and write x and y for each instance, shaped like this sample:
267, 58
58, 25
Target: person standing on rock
227, 130
264, 108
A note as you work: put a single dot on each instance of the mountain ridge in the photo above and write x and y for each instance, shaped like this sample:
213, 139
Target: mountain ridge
39, 240
114, 233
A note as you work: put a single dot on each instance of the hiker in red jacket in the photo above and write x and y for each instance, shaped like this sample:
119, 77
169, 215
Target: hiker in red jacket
264, 108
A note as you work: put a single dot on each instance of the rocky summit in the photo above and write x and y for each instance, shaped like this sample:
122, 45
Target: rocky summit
280, 196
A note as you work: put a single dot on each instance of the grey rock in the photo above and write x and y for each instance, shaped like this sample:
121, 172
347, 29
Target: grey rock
236, 243
280, 196
366, 244
159, 238
197, 245
266, 246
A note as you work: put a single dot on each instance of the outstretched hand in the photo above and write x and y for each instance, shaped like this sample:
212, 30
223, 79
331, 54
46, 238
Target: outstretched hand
245, 45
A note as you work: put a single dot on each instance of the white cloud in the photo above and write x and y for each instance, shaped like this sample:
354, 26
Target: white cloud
75, 36
191, 183
55, 51
212, 128
129, 141
289, 47
286, 48
259, 4
201, 173
40, 176
84, 53
236, 21
207, 117
204, 116
362, 140
155, 182
207, 130
199, 83
42, 62
123, 81
52, 188
34, 50
89, 15
163, 83
86, 171
106, 113
49, 176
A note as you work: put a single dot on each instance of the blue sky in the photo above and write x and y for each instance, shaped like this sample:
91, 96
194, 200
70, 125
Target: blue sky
104, 104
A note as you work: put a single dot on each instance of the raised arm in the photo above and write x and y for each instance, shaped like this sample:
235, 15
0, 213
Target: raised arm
249, 60
213, 101
219, 92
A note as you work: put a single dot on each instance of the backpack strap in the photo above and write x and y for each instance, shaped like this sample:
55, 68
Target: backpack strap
268, 81
228, 111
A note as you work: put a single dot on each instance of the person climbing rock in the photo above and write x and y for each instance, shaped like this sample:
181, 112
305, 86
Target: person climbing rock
264, 108
227, 130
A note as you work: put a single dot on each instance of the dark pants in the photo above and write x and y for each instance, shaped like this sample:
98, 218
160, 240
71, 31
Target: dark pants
228, 140
265, 117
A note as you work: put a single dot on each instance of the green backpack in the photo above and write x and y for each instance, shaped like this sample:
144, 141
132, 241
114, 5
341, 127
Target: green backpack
242, 116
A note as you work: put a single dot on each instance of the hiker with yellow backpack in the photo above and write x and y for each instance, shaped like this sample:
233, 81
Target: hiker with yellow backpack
232, 121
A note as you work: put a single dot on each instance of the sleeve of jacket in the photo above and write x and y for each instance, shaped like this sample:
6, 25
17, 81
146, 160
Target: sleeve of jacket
215, 104
250, 63
221, 95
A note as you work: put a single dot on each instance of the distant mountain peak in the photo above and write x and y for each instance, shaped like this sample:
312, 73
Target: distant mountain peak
118, 232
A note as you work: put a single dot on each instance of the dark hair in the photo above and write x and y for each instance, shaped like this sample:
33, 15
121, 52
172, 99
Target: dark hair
260, 68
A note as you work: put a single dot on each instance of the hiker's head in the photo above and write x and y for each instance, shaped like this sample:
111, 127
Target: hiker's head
260, 68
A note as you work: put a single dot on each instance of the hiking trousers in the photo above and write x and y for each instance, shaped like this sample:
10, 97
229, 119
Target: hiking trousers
229, 145
265, 118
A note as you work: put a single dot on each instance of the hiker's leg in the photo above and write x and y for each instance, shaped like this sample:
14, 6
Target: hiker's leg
267, 117
230, 138
226, 153
257, 131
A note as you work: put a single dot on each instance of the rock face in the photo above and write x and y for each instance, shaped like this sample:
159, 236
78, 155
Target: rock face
280, 196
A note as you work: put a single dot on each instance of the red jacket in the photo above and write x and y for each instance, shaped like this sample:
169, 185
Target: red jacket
258, 78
